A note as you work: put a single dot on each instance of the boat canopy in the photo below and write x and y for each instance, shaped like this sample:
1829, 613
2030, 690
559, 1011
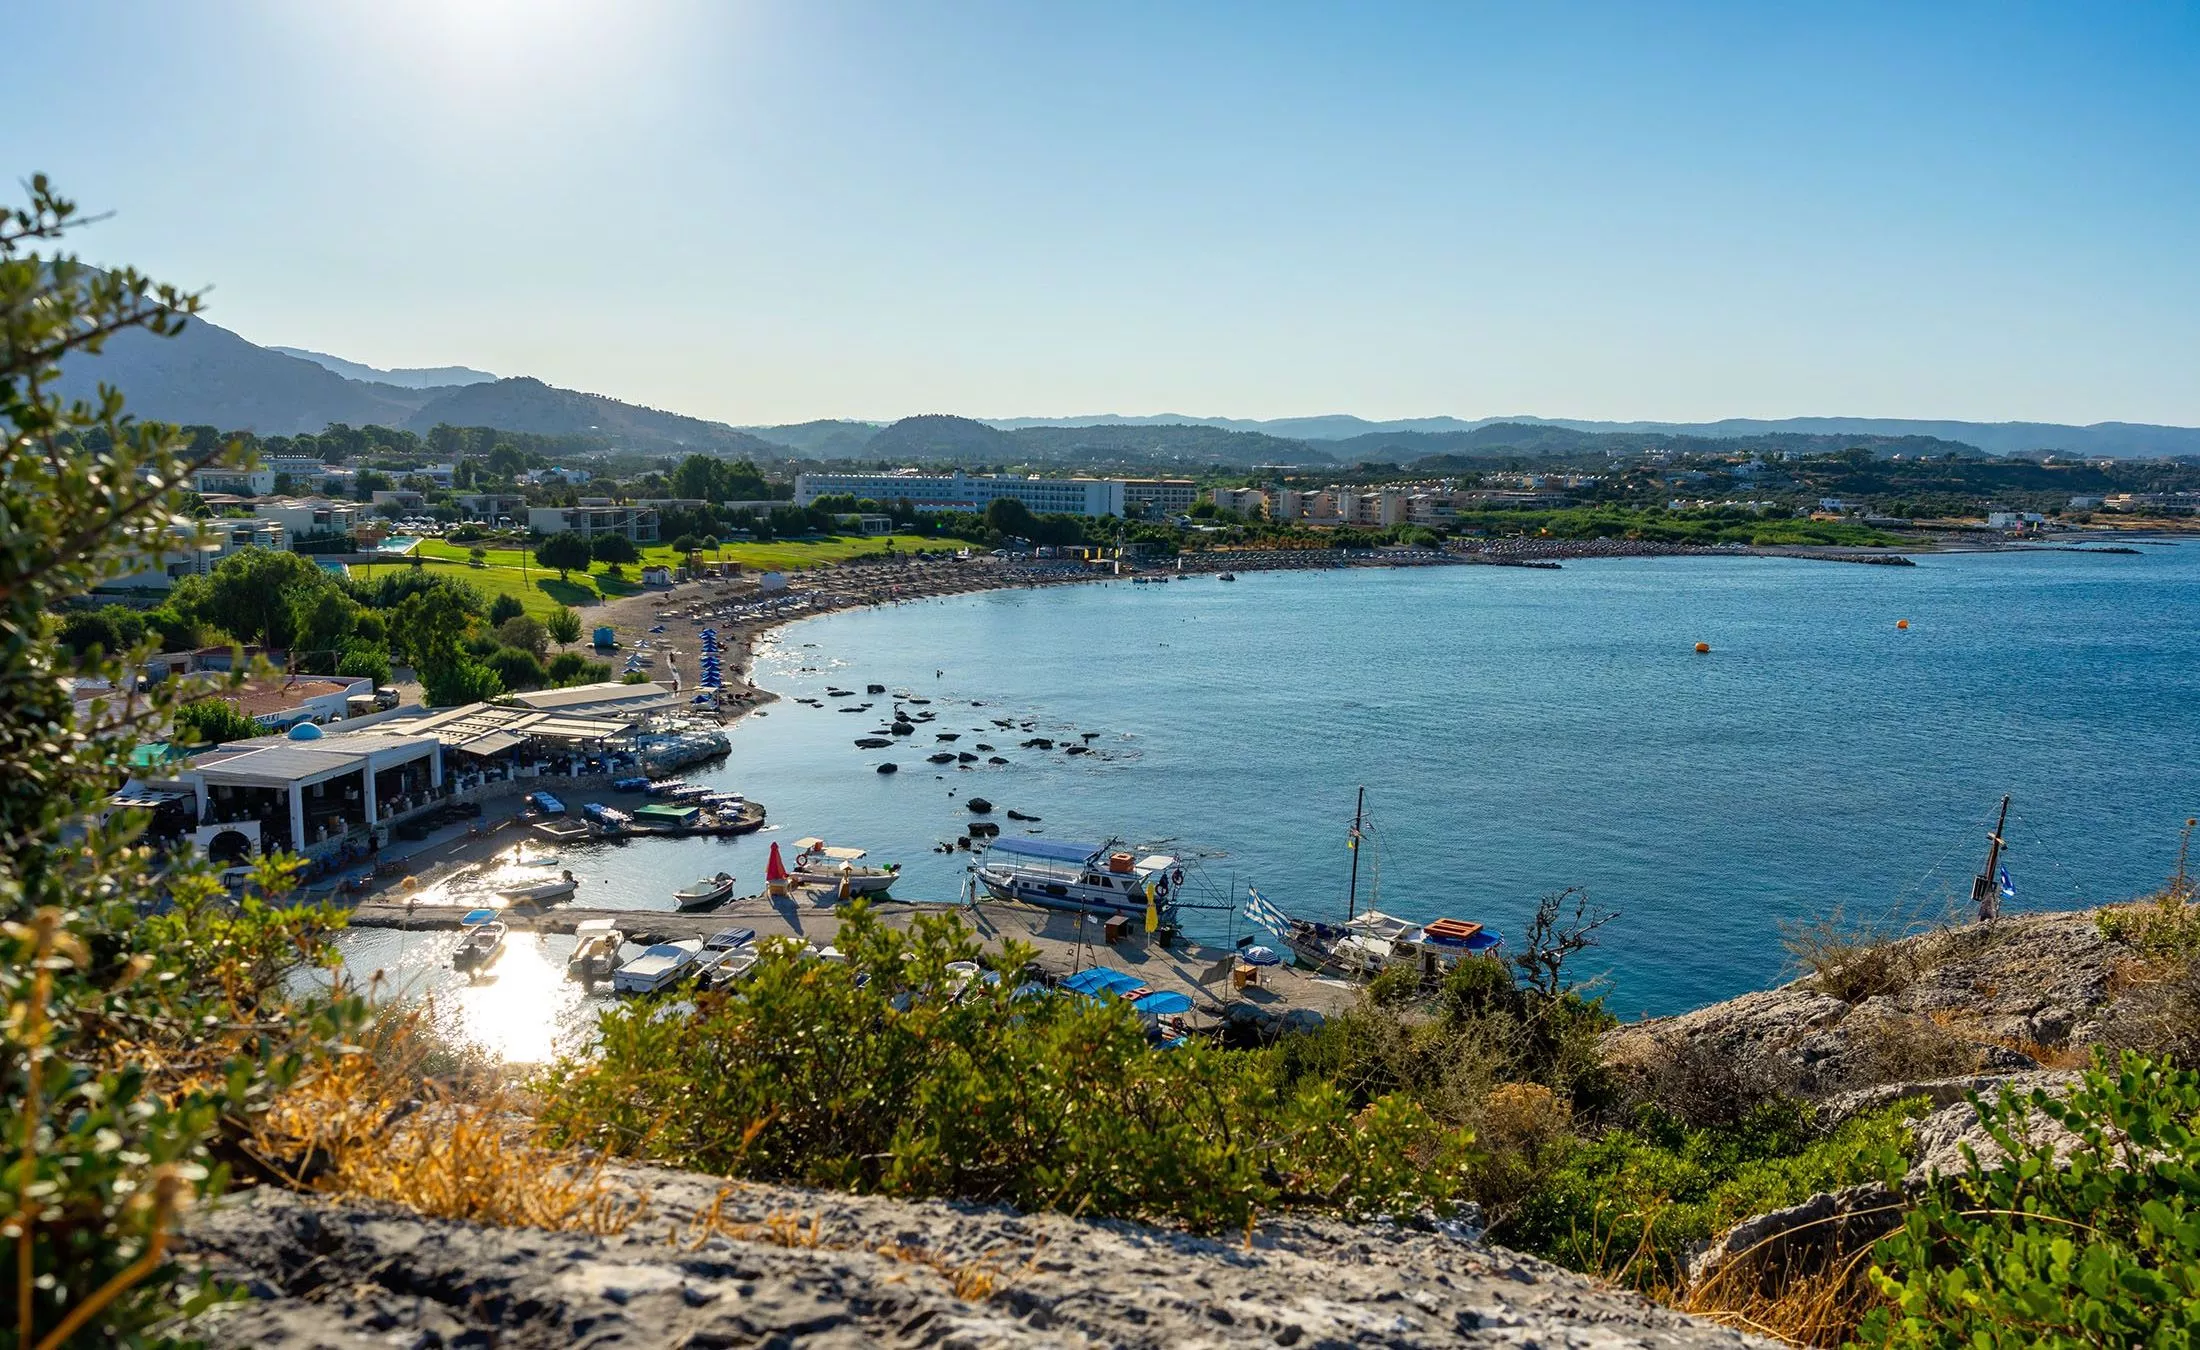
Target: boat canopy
825, 850
1046, 849
1101, 980
475, 917
590, 927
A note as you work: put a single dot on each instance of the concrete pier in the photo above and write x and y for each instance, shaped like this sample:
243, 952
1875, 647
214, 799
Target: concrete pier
1202, 973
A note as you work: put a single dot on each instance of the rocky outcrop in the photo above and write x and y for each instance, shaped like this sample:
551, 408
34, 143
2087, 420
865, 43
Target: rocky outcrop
713, 1264
1993, 999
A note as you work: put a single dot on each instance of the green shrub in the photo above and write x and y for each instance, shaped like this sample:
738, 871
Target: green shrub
364, 661
2166, 928
873, 1075
1631, 1204
504, 607
2096, 1246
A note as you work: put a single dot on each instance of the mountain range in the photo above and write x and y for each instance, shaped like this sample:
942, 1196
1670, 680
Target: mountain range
208, 375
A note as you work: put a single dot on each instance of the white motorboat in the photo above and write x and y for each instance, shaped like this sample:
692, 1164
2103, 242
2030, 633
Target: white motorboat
721, 969
817, 863
1096, 878
657, 968
705, 892
595, 951
542, 892
479, 947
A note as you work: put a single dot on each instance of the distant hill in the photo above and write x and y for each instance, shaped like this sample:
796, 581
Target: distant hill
2124, 440
207, 375
937, 437
1424, 450
530, 405
820, 440
409, 377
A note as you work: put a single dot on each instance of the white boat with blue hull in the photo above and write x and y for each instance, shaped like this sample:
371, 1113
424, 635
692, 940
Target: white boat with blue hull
1095, 878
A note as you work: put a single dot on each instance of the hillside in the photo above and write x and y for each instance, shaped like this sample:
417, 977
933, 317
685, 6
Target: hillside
404, 377
962, 440
828, 439
527, 404
1429, 450
207, 375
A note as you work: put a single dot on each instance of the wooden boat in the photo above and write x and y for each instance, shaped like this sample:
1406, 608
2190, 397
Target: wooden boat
706, 892
817, 863
595, 951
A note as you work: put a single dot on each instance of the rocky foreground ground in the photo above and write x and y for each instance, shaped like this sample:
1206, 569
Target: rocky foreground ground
718, 1265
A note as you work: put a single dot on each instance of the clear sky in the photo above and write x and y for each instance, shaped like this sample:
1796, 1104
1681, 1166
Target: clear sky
786, 209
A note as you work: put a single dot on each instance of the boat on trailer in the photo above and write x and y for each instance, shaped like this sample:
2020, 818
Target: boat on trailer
1095, 878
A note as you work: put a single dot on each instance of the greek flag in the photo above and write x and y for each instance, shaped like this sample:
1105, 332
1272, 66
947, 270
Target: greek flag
2008, 887
1266, 915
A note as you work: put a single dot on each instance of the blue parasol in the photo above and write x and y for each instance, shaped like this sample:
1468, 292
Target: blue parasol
1261, 956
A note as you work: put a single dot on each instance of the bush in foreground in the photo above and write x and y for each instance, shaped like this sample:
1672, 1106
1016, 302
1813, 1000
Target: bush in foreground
892, 1073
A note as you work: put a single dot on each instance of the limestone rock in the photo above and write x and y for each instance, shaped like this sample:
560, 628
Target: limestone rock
787, 1267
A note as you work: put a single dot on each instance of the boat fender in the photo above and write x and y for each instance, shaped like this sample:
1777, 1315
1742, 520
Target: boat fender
1177, 877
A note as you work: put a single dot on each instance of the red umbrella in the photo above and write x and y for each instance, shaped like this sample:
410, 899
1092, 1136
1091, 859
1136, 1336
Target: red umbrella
775, 870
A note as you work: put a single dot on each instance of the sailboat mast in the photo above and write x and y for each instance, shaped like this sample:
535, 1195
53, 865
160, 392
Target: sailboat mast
1352, 896
1985, 889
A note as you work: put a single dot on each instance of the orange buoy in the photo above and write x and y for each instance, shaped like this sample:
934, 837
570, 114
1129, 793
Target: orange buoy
1902, 623
1703, 648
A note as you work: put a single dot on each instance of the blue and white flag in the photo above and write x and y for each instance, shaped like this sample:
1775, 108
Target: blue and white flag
2008, 887
1264, 914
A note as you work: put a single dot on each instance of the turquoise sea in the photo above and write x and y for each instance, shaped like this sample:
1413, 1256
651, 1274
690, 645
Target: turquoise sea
1519, 731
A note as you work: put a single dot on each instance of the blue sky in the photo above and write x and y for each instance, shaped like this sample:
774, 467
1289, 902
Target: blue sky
788, 209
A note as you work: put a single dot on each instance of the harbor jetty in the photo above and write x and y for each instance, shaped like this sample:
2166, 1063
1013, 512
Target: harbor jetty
1065, 942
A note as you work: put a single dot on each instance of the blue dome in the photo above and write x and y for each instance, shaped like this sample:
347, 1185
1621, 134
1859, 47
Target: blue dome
305, 731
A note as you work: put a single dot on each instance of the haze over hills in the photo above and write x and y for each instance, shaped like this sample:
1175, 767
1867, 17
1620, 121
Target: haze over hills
209, 375
412, 377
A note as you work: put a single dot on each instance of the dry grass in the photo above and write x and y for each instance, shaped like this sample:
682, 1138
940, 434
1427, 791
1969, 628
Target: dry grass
973, 1281
1850, 960
372, 1126
1821, 1309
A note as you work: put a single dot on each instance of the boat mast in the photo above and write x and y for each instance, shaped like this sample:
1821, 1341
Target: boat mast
1985, 890
1352, 896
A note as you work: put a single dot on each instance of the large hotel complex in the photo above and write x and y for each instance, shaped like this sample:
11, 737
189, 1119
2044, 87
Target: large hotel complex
974, 492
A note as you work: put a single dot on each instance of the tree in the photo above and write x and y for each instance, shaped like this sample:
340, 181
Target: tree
322, 620
505, 606
214, 721
113, 630
525, 632
249, 595
149, 1009
687, 544
516, 669
1564, 924
564, 552
1006, 515
362, 661
614, 549
458, 681
564, 624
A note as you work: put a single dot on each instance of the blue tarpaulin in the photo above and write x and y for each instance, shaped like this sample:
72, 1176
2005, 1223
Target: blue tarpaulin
1163, 1004
1100, 979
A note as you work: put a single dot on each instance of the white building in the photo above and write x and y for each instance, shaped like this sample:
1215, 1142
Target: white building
959, 491
591, 518
242, 482
1244, 501
311, 515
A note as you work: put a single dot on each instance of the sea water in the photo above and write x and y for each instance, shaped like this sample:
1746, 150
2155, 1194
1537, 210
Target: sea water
1518, 732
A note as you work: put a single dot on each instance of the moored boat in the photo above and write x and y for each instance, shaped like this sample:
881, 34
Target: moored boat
705, 892
595, 951
656, 968
540, 892
480, 945
1096, 878
817, 863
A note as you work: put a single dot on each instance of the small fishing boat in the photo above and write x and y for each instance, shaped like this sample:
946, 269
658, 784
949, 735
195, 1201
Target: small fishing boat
656, 968
480, 944
1228, 576
817, 863
541, 892
595, 951
705, 892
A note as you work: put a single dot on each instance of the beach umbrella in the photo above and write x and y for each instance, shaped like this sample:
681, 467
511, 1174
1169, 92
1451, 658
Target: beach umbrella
475, 917
1261, 956
774, 869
